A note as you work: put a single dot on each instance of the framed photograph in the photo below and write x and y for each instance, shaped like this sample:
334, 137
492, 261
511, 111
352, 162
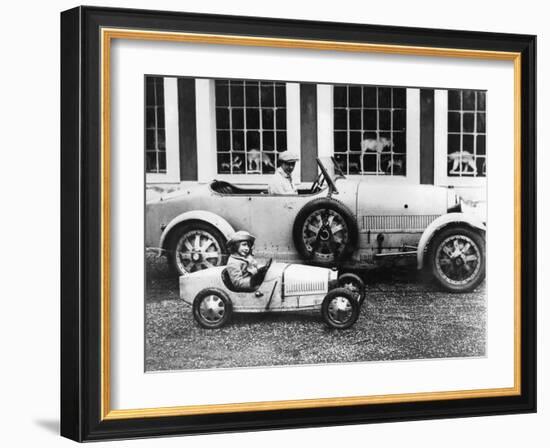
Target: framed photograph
276, 224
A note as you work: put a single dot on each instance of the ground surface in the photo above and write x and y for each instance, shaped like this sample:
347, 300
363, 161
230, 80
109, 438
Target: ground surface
404, 317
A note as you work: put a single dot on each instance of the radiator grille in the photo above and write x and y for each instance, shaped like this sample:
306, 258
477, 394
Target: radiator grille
304, 287
385, 223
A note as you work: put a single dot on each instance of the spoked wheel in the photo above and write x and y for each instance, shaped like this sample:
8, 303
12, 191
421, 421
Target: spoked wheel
458, 259
212, 308
325, 231
340, 308
354, 284
194, 247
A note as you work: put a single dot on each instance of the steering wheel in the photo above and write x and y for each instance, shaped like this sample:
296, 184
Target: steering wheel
317, 183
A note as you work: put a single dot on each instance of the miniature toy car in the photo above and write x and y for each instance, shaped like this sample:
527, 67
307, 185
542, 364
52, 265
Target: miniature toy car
285, 287
348, 223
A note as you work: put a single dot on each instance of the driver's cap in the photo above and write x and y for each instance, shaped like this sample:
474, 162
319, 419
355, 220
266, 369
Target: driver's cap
288, 156
241, 235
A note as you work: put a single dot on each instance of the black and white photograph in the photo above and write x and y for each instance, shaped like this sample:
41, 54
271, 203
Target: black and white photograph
291, 223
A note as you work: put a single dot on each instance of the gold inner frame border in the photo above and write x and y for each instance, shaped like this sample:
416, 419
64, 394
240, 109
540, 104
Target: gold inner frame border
107, 35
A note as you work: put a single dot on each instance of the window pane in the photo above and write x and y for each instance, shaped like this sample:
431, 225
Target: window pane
252, 95
468, 99
370, 163
159, 87
281, 141
468, 143
238, 140
370, 118
252, 118
238, 163
222, 94
280, 96
269, 163
150, 117
237, 117
150, 91
369, 94
454, 100
160, 117
222, 118
223, 141
342, 161
267, 93
384, 117
224, 166
268, 140
400, 98
355, 96
281, 119
340, 119
399, 142
354, 165
453, 142
355, 141
150, 139
481, 166
252, 140
467, 122
355, 119
151, 161
480, 144
453, 122
237, 94
161, 142
340, 96
384, 97
267, 118
162, 161
481, 122
399, 117
480, 100
340, 141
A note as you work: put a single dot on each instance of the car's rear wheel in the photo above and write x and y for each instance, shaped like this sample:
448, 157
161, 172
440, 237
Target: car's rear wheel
353, 283
212, 308
325, 231
195, 246
340, 308
457, 258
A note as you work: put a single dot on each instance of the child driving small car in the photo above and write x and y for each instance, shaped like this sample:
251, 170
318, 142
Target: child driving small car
242, 268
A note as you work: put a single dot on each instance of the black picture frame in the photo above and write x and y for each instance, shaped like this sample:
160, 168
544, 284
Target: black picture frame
81, 224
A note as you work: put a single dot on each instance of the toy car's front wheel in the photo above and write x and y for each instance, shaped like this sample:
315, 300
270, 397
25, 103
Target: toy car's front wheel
457, 258
340, 309
212, 308
353, 283
195, 246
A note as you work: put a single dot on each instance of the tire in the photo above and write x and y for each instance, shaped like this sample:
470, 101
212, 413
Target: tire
325, 231
212, 308
457, 258
188, 254
353, 283
340, 308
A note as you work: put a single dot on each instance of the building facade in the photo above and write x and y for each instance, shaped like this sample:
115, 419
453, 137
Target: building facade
198, 129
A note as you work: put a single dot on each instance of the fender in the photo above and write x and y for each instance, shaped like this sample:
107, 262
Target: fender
198, 215
450, 218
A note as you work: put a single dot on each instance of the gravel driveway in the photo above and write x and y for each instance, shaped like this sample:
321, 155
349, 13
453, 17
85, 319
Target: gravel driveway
402, 318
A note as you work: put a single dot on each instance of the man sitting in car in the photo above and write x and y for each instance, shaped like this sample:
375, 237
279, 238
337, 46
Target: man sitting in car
242, 268
281, 182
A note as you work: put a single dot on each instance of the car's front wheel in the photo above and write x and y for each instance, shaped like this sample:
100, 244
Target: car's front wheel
212, 308
457, 258
195, 246
340, 308
353, 283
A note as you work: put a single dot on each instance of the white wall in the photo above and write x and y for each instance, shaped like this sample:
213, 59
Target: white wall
30, 190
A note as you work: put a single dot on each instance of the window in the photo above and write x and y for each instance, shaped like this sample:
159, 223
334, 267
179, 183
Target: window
155, 135
369, 130
466, 152
250, 126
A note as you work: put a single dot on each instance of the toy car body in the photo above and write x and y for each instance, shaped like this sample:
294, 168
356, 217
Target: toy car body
342, 222
285, 287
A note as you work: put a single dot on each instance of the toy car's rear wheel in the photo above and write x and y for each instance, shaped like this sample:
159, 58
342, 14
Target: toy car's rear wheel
340, 308
353, 283
325, 231
457, 258
212, 308
195, 246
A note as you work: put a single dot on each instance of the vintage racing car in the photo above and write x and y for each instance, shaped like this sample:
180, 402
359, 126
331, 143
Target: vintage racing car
285, 287
349, 223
